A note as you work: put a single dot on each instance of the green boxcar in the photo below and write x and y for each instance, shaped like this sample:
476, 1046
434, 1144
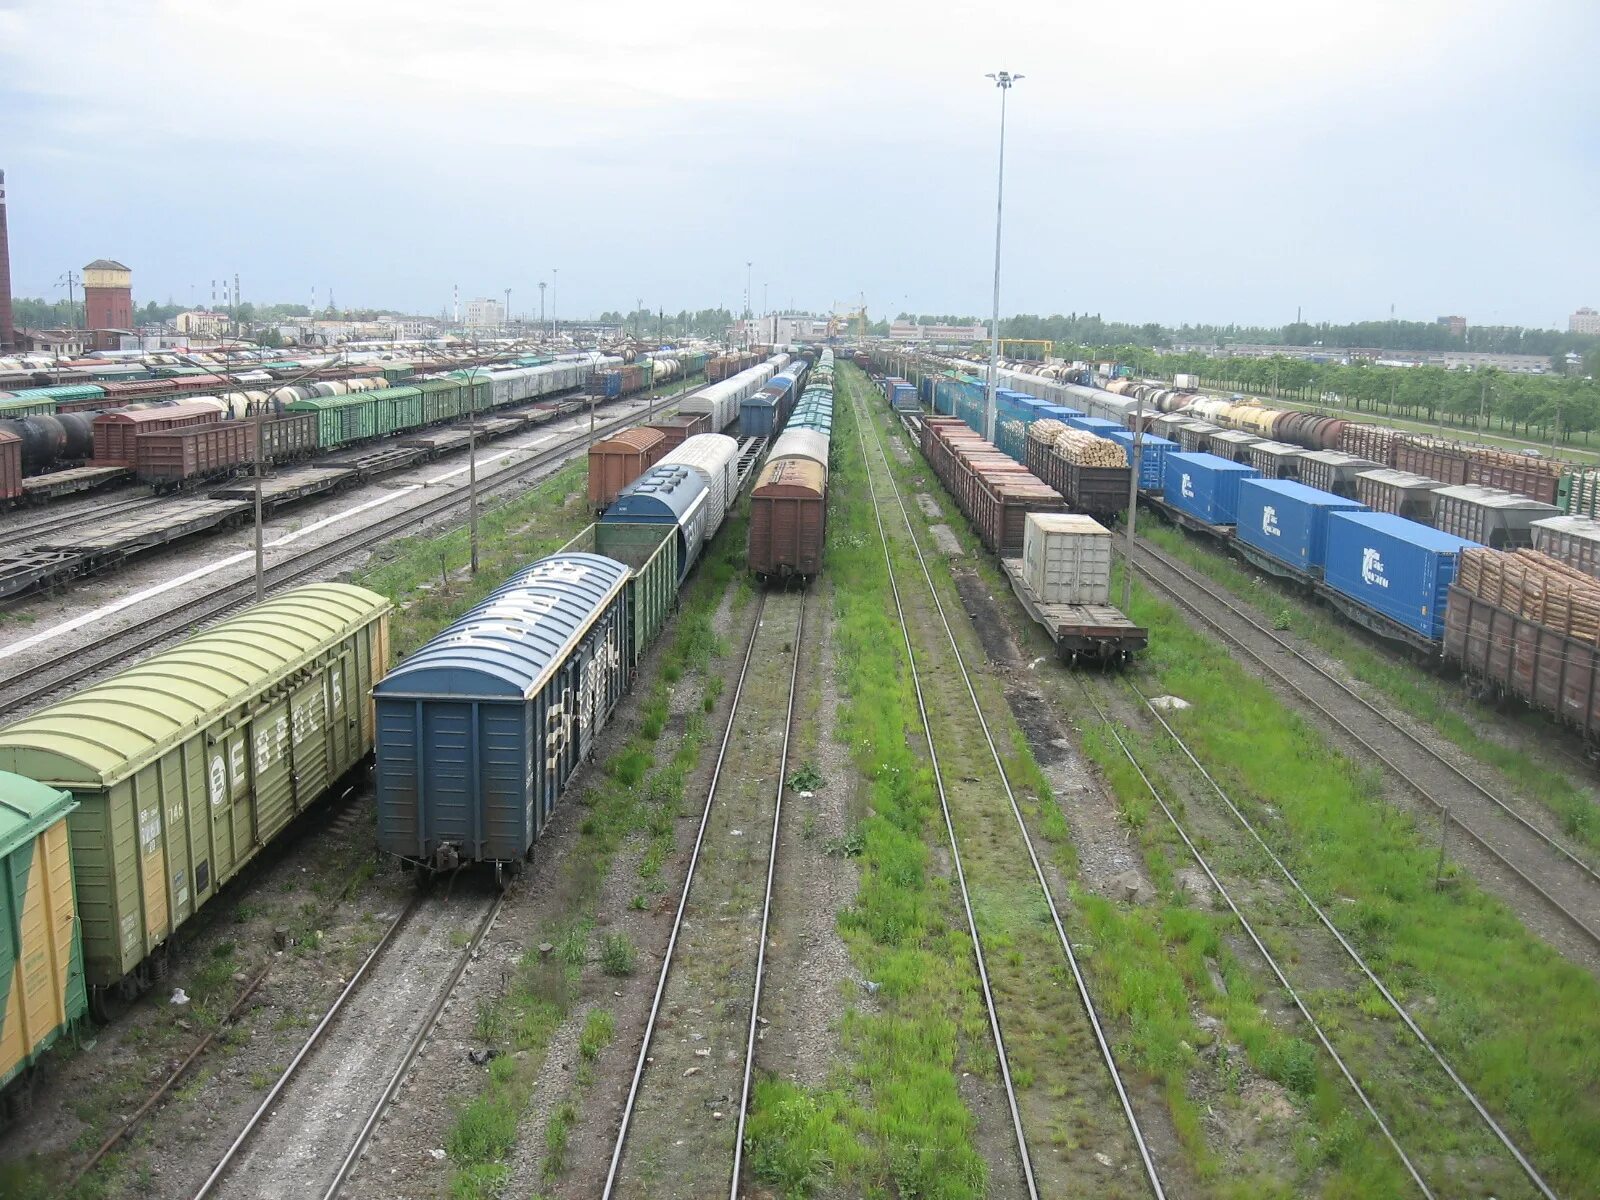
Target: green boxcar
340, 419
186, 765
41, 959
25, 406
394, 372
60, 393
652, 553
442, 400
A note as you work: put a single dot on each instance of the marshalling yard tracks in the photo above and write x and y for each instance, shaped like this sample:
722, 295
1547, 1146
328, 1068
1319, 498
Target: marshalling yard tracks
303, 1138
1549, 871
78, 660
993, 893
1372, 1034
697, 1054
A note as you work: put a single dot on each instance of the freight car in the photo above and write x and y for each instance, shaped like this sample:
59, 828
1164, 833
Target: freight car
42, 992
789, 502
616, 461
1063, 580
722, 400
479, 731
715, 458
666, 495
184, 766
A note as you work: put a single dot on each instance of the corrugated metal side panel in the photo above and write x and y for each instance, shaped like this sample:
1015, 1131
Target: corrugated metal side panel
41, 965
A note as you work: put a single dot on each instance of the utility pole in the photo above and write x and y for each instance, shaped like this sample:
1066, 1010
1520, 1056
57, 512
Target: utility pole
542, 330
472, 462
507, 313
747, 302
1133, 502
555, 323
1002, 80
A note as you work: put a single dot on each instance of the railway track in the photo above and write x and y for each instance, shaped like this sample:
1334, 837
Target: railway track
707, 978
1552, 872
76, 661
23, 533
1461, 1170
246, 1167
932, 674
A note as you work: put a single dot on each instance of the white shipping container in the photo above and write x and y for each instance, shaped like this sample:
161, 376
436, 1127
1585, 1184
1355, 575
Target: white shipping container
1186, 382
1066, 558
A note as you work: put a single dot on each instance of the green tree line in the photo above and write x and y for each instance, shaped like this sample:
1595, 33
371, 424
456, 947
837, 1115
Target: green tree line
1485, 400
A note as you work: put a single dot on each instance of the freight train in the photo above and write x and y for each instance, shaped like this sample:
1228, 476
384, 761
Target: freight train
480, 730
789, 502
1382, 546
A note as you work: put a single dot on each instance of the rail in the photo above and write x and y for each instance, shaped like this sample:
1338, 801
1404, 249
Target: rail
1185, 596
1081, 983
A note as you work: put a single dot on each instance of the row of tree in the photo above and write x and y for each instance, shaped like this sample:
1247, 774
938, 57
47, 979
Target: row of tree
1481, 400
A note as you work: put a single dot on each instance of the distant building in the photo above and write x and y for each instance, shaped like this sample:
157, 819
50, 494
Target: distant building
201, 323
1585, 320
905, 331
59, 343
779, 329
485, 314
1456, 325
107, 301
405, 328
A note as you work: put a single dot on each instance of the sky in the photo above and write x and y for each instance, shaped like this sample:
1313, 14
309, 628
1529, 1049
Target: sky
1166, 160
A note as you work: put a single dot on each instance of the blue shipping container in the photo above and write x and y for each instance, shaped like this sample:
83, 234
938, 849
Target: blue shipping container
478, 731
1098, 426
1203, 485
1288, 521
1393, 566
1153, 453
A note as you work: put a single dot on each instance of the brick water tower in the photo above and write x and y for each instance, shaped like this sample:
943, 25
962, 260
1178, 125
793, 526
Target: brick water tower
107, 300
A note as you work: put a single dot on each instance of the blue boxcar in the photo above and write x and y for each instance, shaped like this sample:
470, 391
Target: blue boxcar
479, 731
903, 397
758, 415
1203, 485
1393, 566
1288, 521
1153, 453
666, 494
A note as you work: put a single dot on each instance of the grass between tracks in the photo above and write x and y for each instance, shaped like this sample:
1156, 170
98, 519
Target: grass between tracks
1425, 696
1520, 1023
895, 1122
1163, 976
637, 791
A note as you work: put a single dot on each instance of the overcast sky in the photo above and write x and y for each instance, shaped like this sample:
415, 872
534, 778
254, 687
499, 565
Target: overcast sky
1167, 160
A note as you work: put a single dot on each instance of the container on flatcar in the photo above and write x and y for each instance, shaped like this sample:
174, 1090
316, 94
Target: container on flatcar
1392, 566
1574, 540
479, 731
788, 519
1066, 558
1399, 492
665, 495
187, 764
618, 460
715, 458
1204, 486
1288, 521
1489, 516
1153, 451
42, 989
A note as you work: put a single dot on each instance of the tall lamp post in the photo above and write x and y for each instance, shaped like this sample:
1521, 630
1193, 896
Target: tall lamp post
1002, 80
555, 278
542, 330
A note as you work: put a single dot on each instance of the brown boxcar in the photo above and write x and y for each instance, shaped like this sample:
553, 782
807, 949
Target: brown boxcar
115, 432
168, 458
617, 461
788, 519
10, 466
681, 428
